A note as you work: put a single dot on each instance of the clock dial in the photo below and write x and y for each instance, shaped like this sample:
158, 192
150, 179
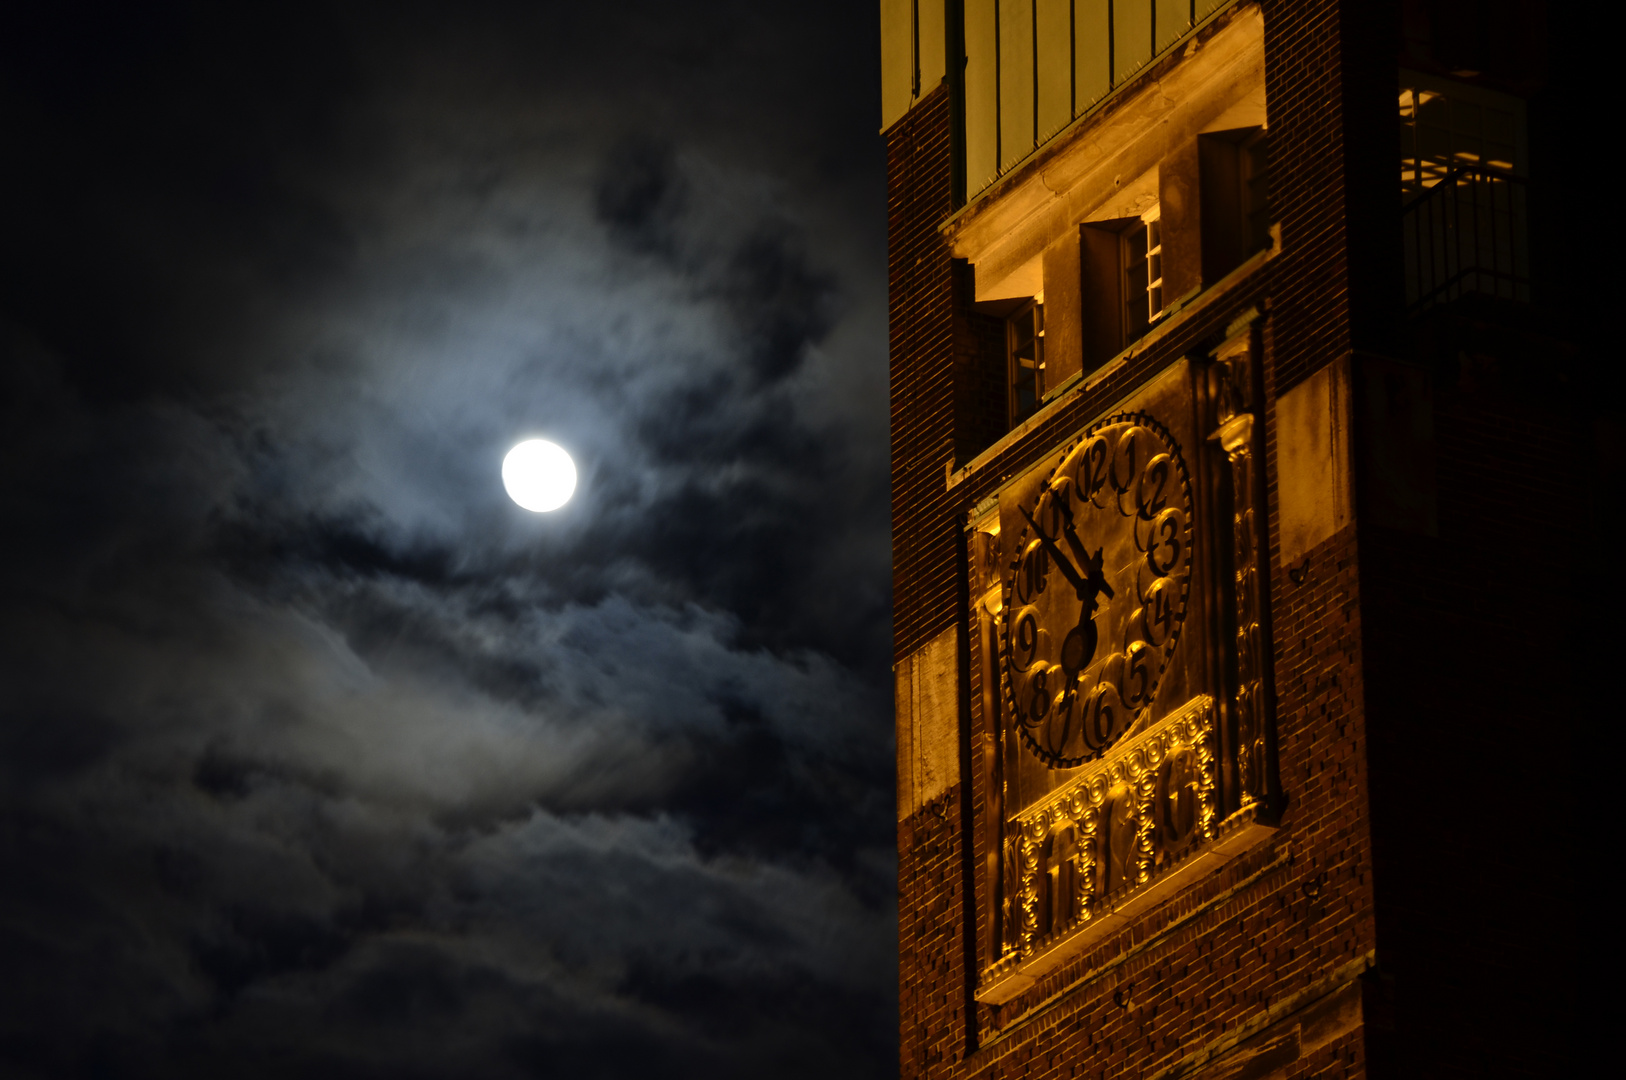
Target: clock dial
1095, 593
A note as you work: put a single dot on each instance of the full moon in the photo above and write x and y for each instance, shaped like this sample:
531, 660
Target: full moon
539, 475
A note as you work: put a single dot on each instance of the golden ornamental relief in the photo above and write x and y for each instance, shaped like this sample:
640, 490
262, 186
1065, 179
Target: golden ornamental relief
1096, 589
1110, 830
1122, 642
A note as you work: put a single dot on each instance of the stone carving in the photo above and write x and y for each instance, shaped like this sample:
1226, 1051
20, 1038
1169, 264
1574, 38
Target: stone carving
1238, 437
1140, 810
1095, 590
1106, 793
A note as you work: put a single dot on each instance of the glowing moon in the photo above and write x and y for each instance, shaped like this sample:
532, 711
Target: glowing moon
539, 475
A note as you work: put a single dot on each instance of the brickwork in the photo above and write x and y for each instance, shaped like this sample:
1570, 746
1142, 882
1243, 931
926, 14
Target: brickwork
1304, 84
921, 329
931, 956
1339, 945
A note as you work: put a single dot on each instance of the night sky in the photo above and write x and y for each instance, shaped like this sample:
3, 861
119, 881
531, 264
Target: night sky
318, 756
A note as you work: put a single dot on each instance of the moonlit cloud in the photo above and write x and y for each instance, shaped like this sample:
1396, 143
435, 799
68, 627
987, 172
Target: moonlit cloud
319, 756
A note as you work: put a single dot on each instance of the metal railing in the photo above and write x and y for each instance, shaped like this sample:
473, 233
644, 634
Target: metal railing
1467, 234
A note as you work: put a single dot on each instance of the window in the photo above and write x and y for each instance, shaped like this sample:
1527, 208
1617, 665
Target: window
1142, 259
1235, 197
1121, 260
1445, 125
1255, 193
1024, 337
1462, 192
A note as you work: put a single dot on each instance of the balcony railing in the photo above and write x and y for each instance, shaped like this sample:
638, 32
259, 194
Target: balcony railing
1467, 234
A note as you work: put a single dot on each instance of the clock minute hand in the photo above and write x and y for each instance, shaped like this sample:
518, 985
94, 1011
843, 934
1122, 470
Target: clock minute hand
1066, 565
1091, 564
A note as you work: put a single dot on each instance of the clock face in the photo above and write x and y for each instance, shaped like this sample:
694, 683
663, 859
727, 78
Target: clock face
1095, 593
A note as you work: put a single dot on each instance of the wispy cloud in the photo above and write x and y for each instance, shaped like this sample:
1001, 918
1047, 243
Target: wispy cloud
319, 754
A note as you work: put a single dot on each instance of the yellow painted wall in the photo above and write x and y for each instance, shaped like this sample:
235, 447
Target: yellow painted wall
902, 50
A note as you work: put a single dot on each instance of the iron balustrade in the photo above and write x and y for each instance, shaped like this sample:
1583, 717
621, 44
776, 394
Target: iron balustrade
1467, 234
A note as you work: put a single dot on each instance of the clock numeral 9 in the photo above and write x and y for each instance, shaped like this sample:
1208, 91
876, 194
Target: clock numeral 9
1027, 639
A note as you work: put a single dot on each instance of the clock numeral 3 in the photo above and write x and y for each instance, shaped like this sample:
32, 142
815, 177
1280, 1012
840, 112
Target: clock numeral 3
1166, 543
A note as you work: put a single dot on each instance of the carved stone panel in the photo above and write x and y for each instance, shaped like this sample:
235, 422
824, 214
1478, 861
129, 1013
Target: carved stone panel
1240, 435
1135, 813
1096, 591
1122, 656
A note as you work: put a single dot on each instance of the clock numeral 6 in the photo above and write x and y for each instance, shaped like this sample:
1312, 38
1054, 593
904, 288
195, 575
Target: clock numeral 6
1104, 717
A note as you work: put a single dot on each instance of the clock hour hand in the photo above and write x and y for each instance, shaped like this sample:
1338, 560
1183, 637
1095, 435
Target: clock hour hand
1091, 563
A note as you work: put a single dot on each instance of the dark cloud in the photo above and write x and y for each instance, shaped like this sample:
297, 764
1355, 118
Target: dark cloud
639, 195
317, 756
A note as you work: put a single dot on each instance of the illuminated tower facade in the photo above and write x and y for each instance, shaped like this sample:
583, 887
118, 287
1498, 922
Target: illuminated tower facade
1207, 495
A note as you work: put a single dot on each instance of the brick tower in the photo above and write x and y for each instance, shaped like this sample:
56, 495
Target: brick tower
1223, 540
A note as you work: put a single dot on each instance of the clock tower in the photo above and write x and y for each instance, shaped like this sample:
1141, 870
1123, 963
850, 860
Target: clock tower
1202, 445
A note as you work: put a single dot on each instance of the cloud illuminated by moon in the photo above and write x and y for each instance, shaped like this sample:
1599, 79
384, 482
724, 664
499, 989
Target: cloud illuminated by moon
539, 475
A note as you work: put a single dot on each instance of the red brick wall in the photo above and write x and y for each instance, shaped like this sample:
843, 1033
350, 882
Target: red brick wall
1304, 87
1279, 927
932, 1036
921, 328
